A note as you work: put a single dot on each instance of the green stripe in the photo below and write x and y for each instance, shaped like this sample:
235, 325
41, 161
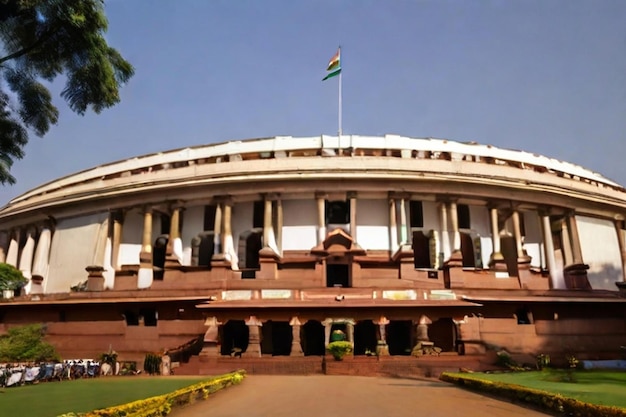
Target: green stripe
332, 74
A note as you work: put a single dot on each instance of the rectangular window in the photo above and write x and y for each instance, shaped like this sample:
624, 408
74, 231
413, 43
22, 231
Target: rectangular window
463, 215
337, 212
416, 214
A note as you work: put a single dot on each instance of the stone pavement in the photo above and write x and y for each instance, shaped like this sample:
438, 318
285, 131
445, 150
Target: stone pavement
329, 396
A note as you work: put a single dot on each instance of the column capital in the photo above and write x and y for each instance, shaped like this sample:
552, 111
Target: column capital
271, 196
351, 194
223, 199
398, 195
254, 321
176, 205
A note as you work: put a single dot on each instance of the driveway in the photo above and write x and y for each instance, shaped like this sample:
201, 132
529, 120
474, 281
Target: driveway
329, 396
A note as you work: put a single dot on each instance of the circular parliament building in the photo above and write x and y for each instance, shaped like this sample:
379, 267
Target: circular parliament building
423, 253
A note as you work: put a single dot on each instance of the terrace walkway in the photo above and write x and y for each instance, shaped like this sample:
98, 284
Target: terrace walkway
329, 396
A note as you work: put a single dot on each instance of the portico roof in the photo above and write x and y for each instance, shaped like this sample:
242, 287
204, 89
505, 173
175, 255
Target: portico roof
345, 303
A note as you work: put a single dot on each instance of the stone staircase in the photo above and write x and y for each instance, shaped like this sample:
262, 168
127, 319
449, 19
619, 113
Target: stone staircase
395, 366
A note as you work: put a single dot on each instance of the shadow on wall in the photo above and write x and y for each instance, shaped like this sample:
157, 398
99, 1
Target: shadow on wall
604, 277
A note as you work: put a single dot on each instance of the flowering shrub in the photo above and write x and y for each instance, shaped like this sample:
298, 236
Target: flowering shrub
546, 400
161, 405
339, 349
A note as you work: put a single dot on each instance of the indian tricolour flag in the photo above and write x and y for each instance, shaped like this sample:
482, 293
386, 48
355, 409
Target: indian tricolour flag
334, 65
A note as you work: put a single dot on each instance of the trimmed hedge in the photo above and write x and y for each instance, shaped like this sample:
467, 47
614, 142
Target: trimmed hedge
161, 405
542, 399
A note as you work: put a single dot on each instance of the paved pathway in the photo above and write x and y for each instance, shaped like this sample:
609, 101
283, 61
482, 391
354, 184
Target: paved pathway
329, 396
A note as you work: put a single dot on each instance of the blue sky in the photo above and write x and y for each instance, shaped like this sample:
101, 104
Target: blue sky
545, 76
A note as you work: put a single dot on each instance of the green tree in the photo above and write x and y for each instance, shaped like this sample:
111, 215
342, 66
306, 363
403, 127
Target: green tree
26, 344
11, 278
40, 40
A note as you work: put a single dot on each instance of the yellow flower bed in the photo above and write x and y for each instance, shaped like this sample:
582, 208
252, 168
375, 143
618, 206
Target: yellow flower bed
543, 399
161, 405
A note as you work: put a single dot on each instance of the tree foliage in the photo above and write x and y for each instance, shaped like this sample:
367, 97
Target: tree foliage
11, 278
40, 40
26, 344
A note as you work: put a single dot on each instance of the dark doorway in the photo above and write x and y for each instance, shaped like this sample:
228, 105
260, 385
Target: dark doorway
337, 275
235, 335
276, 338
467, 250
509, 252
312, 338
421, 250
399, 337
206, 249
250, 243
443, 334
158, 256
365, 338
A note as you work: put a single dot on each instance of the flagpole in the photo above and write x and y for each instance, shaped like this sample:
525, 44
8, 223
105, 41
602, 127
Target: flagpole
339, 109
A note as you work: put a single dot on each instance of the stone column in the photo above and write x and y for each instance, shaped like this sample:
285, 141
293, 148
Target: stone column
422, 329
174, 249
254, 338
296, 346
549, 251
269, 239
328, 323
393, 227
404, 228
14, 248
118, 218
496, 262
26, 260
4, 241
622, 246
445, 236
575, 274
350, 332
352, 198
230, 253
210, 342
574, 238
145, 274
523, 260
279, 225
382, 349
217, 230
40, 261
456, 257
321, 219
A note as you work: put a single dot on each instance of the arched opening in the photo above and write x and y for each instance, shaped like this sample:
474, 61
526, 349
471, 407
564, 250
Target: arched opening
250, 243
443, 334
467, 250
365, 338
158, 256
399, 337
312, 338
421, 250
234, 335
276, 338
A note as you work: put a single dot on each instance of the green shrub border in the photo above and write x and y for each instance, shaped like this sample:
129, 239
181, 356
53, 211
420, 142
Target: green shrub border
161, 405
542, 399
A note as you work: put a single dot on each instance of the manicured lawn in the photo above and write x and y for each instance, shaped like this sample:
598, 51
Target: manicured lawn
596, 387
50, 399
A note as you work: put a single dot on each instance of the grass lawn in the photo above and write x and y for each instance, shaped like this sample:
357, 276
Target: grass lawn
596, 387
50, 399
